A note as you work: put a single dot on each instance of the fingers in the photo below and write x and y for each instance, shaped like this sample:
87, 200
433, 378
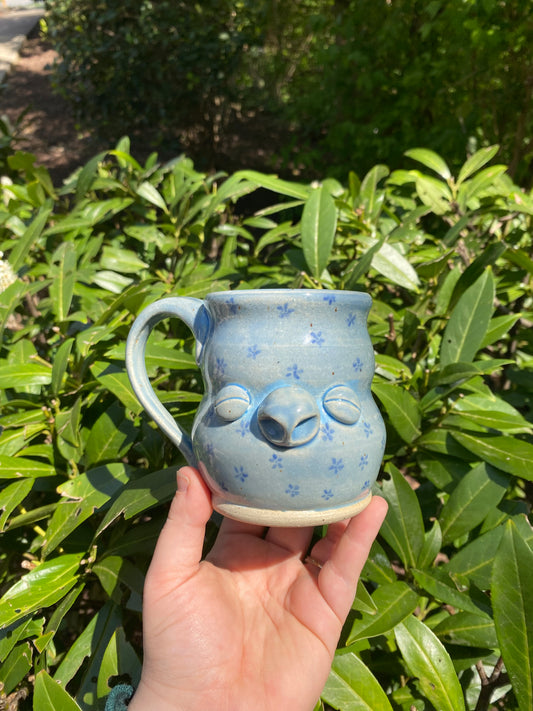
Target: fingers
340, 572
294, 540
179, 547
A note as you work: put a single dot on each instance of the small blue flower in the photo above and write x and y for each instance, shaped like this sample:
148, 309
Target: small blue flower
316, 338
220, 367
285, 311
294, 372
336, 465
276, 461
327, 432
253, 352
358, 365
243, 429
328, 494
351, 320
330, 298
240, 473
293, 490
367, 429
363, 462
366, 485
232, 305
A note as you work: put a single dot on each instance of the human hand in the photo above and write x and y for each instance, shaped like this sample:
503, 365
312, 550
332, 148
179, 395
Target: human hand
256, 624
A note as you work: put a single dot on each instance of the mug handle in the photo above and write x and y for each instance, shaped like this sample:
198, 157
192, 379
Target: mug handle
194, 314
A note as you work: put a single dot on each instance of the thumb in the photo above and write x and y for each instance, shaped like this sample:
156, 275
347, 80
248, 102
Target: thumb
179, 548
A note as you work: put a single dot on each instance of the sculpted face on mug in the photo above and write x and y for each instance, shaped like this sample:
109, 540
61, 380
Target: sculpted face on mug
289, 416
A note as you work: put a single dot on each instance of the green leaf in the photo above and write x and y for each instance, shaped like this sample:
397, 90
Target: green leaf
15, 667
141, 494
25, 242
92, 643
147, 191
63, 278
319, 223
272, 182
432, 546
512, 594
60, 365
402, 408
468, 629
115, 573
394, 602
116, 380
434, 193
110, 437
431, 160
492, 412
43, 586
476, 162
469, 321
351, 686
478, 492
51, 696
427, 659
507, 453
121, 260
370, 198
440, 585
10, 497
403, 528
18, 467
474, 561
88, 493
119, 659
477, 186
389, 262
14, 376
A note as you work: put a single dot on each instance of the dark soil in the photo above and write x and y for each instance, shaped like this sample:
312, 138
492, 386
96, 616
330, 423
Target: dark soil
49, 129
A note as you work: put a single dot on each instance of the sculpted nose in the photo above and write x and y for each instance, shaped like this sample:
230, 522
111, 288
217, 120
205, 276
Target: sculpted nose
288, 417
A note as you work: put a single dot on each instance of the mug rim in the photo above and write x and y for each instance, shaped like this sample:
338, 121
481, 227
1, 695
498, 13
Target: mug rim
293, 292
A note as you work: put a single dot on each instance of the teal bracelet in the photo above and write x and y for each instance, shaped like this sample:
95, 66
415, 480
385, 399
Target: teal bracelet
119, 698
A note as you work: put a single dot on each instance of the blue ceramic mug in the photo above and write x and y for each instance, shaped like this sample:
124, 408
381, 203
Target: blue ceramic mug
287, 433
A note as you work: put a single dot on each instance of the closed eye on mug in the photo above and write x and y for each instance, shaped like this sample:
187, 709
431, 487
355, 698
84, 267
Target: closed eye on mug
232, 402
342, 403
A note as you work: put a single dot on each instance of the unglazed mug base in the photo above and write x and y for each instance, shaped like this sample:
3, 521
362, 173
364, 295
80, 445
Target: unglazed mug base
289, 519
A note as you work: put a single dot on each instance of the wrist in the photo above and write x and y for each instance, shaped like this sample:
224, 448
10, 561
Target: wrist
145, 699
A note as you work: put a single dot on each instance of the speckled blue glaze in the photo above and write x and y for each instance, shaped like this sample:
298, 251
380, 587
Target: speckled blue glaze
287, 432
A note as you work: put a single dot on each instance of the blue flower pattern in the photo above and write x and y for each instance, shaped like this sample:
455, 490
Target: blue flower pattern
363, 462
220, 367
327, 494
294, 372
327, 432
367, 429
276, 461
351, 320
336, 465
240, 474
316, 338
292, 490
285, 311
358, 365
253, 352
244, 428
330, 298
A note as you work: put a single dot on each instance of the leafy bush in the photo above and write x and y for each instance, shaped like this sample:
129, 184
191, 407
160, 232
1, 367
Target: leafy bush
442, 619
357, 81
142, 65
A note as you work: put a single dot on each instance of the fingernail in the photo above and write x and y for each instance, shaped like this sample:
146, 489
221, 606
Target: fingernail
183, 482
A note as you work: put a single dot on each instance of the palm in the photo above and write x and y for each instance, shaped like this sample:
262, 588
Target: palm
252, 626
